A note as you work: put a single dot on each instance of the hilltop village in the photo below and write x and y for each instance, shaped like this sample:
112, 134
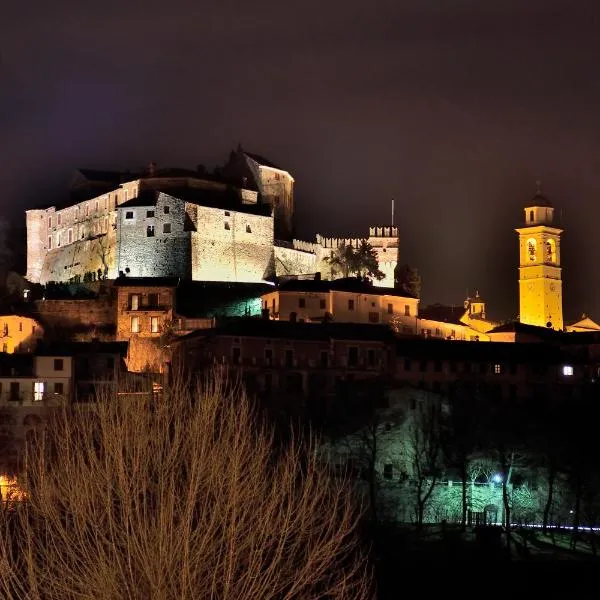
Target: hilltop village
136, 275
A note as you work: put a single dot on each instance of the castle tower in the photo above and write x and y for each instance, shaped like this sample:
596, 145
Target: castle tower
540, 284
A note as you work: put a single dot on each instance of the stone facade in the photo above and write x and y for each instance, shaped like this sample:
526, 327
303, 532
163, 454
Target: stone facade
19, 333
58, 314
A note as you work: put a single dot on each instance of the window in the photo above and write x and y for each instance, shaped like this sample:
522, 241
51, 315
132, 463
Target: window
153, 300
289, 358
15, 390
324, 359
38, 390
371, 357
236, 355
531, 216
301, 303
59, 219
350, 304
388, 471
70, 236
49, 242
129, 214
59, 364
550, 251
352, 356
167, 228
269, 356
373, 317
154, 324
49, 222
5, 329
59, 388
567, 370
134, 302
227, 213
149, 214
531, 243
322, 304
437, 332
87, 210
20, 325
150, 231
96, 206
248, 229
407, 310
167, 210
227, 226
497, 369
276, 176
390, 309
77, 213
135, 324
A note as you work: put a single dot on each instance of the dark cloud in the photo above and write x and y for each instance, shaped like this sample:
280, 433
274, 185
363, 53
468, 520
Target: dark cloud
453, 108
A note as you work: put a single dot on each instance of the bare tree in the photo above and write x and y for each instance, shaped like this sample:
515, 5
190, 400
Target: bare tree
424, 452
182, 495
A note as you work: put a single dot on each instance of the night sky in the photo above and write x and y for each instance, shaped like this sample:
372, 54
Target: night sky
454, 108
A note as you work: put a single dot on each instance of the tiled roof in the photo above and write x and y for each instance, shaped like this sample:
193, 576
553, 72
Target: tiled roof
265, 328
349, 284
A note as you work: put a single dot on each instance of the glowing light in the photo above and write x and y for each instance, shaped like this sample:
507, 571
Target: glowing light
10, 490
567, 370
497, 478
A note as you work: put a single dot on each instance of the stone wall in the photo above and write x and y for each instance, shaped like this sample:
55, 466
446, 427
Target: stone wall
231, 246
153, 241
289, 261
58, 314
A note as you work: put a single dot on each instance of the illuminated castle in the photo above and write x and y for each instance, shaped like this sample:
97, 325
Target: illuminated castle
233, 226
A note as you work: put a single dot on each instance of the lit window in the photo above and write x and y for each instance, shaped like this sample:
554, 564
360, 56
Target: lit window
497, 369
154, 324
38, 390
567, 370
134, 301
135, 324
167, 228
129, 214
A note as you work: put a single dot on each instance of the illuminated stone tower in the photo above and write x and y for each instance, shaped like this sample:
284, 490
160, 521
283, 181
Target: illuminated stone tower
540, 284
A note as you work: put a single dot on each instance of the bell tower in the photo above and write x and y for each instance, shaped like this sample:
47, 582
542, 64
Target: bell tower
540, 284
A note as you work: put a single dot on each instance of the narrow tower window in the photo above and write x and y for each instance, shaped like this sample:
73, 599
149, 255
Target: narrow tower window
550, 251
531, 249
531, 216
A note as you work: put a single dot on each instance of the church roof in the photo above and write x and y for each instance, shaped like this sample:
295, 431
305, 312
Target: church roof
539, 200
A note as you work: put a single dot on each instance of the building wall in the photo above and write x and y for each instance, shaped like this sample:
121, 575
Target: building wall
164, 254
230, 246
68, 313
19, 333
162, 311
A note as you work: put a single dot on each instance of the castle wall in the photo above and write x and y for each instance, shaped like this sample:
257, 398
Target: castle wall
153, 241
289, 261
69, 313
230, 246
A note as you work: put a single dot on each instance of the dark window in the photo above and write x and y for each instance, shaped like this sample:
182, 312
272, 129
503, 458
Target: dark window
227, 226
322, 304
373, 317
390, 309
59, 364
324, 359
269, 356
248, 230
59, 388
236, 354
153, 300
350, 304
129, 214
227, 213
388, 471
301, 302
150, 231
407, 310
289, 358
167, 209
371, 357
352, 356
149, 213
167, 228
407, 364
15, 390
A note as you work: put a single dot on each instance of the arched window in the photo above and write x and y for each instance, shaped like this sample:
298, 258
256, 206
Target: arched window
531, 249
531, 216
550, 251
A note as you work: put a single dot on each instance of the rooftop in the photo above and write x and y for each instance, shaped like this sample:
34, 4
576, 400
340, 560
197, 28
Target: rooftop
442, 313
348, 284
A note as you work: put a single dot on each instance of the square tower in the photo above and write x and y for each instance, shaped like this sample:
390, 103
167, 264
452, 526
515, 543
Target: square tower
540, 284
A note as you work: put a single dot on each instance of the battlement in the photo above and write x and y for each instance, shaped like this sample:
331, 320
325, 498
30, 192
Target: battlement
383, 231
